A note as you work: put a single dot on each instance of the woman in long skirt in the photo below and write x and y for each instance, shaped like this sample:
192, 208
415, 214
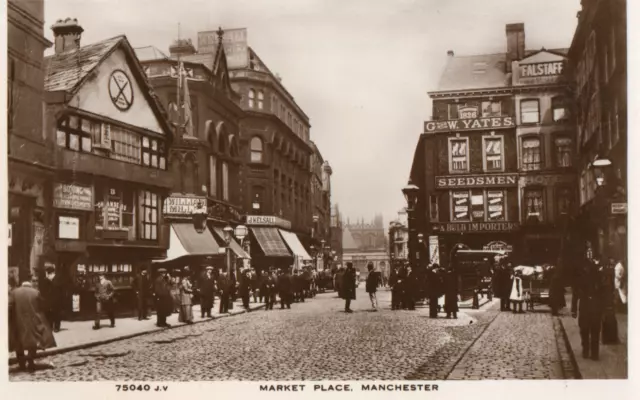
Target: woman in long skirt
186, 292
175, 292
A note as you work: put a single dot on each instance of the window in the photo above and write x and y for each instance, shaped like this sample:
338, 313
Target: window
530, 111
433, 208
282, 112
605, 62
71, 134
616, 125
534, 205
558, 105
153, 153
114, 208
458, 155
125, 146
148, 215
460, 205
496, 205
564, 200
531, 154
252, 96
491, 109
563, 152
260, 99
256, 150
477, 205
493, 153
613, 48
213, 177
225, 181
274, 104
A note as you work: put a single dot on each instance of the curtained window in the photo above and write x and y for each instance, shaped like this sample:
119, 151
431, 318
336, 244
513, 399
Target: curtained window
531, 154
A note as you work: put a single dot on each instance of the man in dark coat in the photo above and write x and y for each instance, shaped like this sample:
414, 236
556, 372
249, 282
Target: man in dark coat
586, 304
410, 284
298, 286
29, 327
502, 285
53, 293
163, 298
556, 290
268, 289
349, 287
206, 288
224, 289
338, 282
104, 292
451, 292
284, 289
373, 281
255, 285
245, 288
434, 288
142, 285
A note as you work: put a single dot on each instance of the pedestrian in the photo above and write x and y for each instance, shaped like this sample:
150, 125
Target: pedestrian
556, 291
284, 289
104, 293
502, 287
620, 284
349, 287
206, 289
244, 289
268, 289
185, 313
396, 288
434, 285
142, 286
337, 281
175, 291
373, 281
52, 292
410, 283
255, 285
517, 292
163, 298
451, 292
224, 290
29, 329
609, 322
298, 284
586, 305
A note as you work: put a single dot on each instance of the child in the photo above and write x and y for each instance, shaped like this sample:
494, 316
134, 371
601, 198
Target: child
517, 295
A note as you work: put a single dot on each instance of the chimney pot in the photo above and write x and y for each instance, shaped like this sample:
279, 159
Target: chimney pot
450, 53
67, 34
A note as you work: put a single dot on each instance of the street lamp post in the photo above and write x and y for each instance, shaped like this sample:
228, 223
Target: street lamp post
411, 195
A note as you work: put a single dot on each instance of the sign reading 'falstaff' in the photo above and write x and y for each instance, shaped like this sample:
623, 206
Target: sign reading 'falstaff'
469, 181
469, 124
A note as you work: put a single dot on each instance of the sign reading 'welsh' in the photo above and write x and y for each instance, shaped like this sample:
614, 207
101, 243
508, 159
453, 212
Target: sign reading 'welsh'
469, 124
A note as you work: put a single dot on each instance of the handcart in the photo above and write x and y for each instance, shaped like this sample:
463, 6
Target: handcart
536, 283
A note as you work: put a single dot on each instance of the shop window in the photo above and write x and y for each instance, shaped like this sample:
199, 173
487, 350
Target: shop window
491, 109
460, 205
558, 106
225, 181
256, 149
153, 153
434, 212
252, 97
458, 155
496, 205
531, 154
564, 201
149, 214
213, 188
534, 205
530, 111
114, 208
493, 147
260, 99
477, 205
563, 152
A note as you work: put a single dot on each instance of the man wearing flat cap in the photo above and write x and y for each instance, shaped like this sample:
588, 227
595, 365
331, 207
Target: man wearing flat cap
53, 293
164, 301
206, 288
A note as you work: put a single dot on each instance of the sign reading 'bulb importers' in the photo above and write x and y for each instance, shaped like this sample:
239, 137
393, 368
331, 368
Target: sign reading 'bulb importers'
470, 124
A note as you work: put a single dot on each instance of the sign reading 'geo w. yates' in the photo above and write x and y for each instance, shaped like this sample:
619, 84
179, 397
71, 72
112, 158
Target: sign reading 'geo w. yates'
469, 124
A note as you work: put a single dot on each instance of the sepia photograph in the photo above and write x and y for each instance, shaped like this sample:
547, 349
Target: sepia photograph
393, 194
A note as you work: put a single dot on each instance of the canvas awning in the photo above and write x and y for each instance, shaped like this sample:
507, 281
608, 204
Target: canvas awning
270, 242
235, 246
294, 244
184, 240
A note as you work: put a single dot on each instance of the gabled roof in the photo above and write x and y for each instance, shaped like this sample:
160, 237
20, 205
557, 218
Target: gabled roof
67, 72
348, 242
150, 53
474, 72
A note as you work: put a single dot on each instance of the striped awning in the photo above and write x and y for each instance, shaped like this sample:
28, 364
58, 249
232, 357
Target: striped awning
185, 241
235, 246
270, 242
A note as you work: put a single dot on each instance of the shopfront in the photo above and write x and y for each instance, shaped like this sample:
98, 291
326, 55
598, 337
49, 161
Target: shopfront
268, 248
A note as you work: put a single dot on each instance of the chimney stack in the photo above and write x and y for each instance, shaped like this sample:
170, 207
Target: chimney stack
67, 34
515, 43
450, 53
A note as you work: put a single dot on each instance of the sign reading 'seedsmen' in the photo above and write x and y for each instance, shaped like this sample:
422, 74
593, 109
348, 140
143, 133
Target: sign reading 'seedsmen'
469, 181
469, 124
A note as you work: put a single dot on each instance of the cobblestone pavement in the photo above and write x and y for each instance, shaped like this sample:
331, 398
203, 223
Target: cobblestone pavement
314, 340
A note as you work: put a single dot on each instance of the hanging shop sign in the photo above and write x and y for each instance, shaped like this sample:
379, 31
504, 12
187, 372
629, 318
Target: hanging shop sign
184, 205
470, 181
120, 90
268, 220
73, 197
498, 246
471, 227
470, 124
618, 208
434, 250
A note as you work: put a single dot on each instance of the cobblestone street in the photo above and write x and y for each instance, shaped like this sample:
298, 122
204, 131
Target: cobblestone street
315, 340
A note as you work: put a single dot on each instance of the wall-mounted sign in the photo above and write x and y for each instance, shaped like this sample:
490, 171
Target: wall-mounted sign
73, 197
184, 205
618, 208
434, 250
541, 69
498, 246
454, 125
470, 181
120, 90
546, 180
68, 227
268, 220
470, 227
468, 112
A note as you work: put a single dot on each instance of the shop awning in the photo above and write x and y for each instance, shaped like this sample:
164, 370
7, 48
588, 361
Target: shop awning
184, 240
271, 242
235, 246
294, 244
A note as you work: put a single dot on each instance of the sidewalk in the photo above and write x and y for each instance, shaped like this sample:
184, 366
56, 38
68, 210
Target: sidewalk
613, 363
76, 335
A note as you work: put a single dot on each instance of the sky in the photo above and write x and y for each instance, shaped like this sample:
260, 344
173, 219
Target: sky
360, 69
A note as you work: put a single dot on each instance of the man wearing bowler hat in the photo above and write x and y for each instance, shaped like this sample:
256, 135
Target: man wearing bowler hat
207, 287
164, 301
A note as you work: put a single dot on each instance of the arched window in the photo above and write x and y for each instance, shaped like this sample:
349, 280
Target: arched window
213, 175
225, 181
256, 150
252, 96
260, 99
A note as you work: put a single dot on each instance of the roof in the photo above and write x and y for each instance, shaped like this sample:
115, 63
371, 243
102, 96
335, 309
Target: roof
150, 53
66, 70
348, 242
206, 59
